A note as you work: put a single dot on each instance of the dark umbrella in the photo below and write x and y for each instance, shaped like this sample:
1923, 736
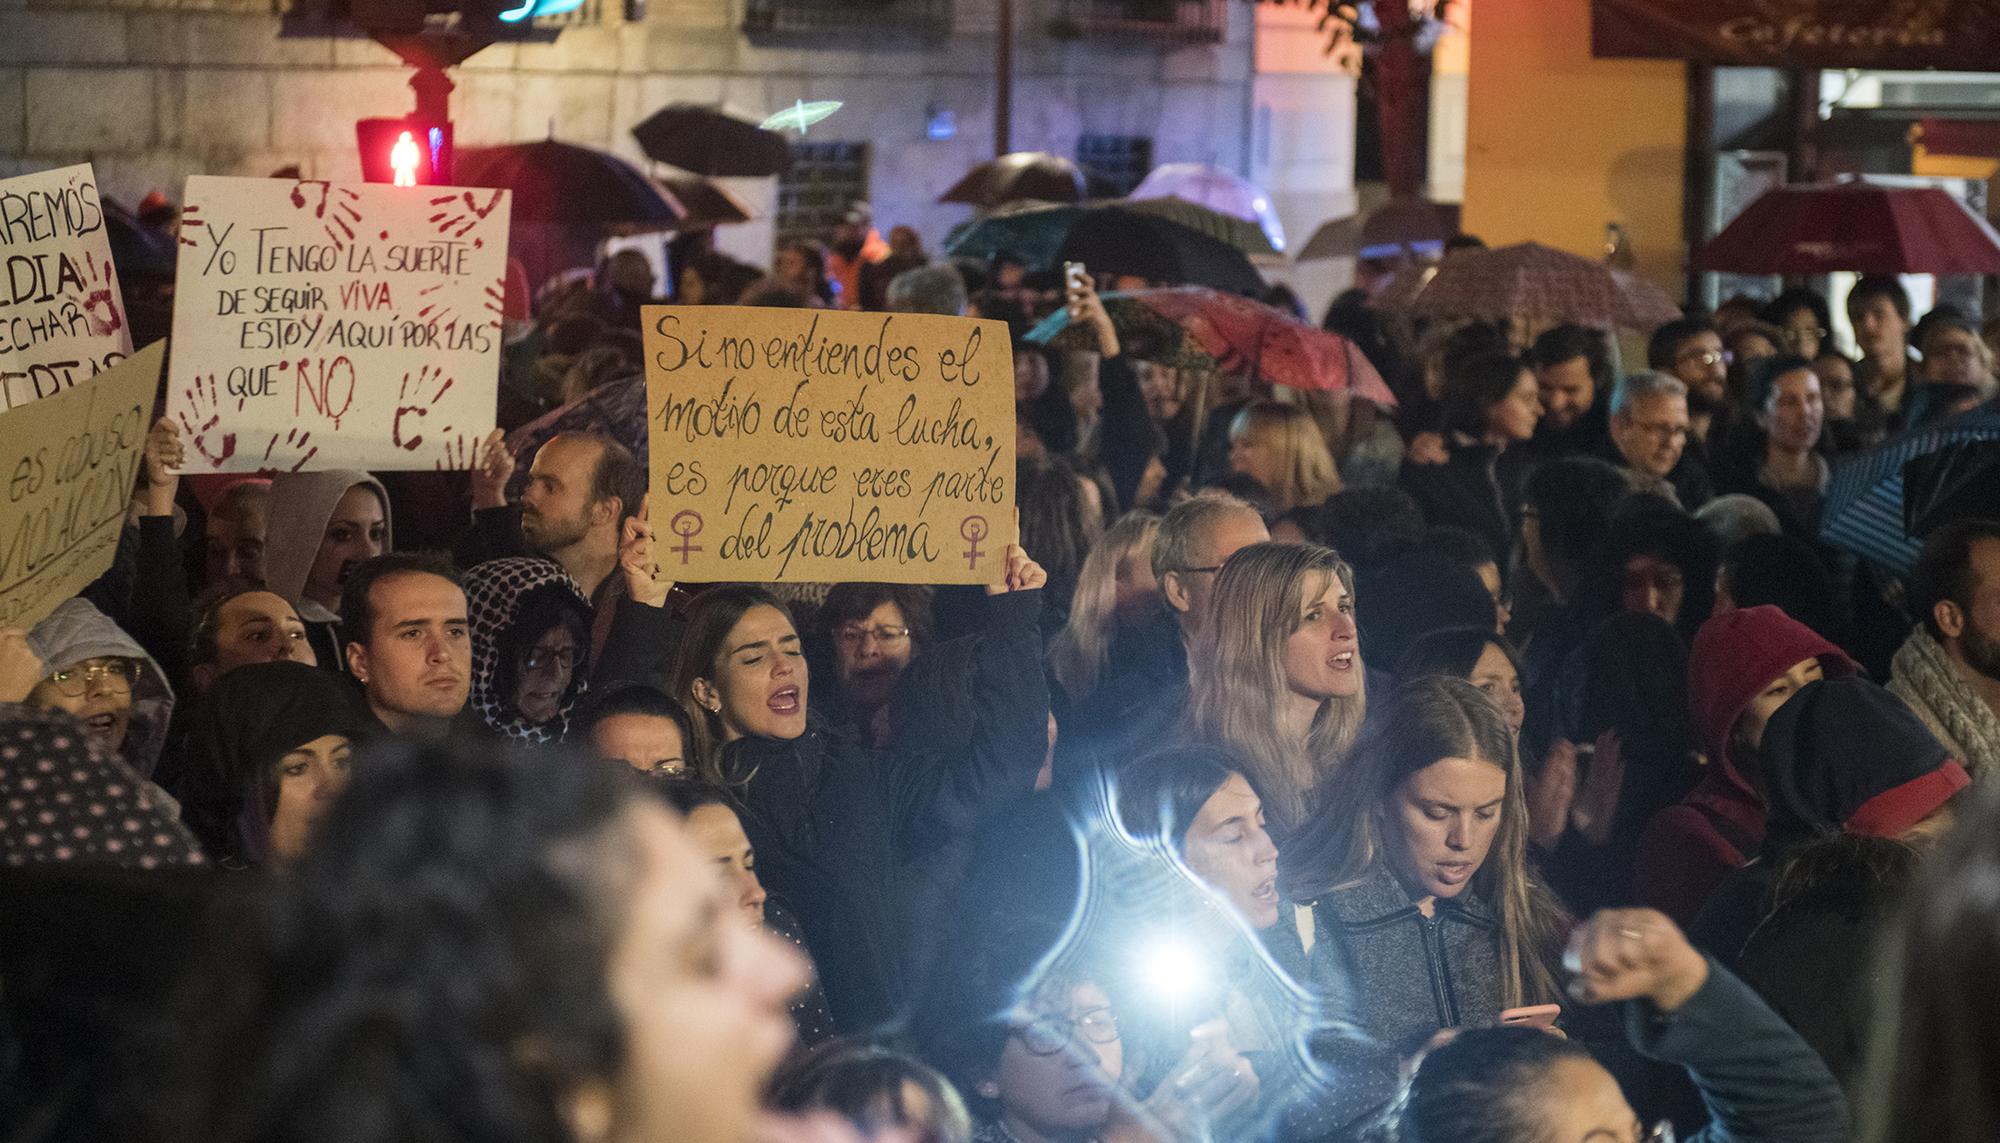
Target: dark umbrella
711, 142
1021, 175
559, 183
1865, 511
137, 252
703, 201
1864, 227
615, 409
1395, 226
1121, 241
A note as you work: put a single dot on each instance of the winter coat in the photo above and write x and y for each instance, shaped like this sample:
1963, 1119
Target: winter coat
1468, 491
75, 631
851, 839
1141, 694
1687, 849
1925, 678
301, 506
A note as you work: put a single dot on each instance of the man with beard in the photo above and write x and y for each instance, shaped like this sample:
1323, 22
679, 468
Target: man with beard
1948, 670
409, 644
1690, 350
582, 487
1573, 376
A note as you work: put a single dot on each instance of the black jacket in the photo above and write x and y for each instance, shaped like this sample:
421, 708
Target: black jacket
1473, 490
857, 841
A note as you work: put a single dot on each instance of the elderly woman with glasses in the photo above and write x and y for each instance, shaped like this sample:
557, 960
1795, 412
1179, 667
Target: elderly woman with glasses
872, 630
530, 646
102, 677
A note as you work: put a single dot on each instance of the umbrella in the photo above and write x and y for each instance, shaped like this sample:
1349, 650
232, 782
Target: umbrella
1865, 227
703, 201
1541, 284
1236, 334
137, 252
1133, 243
1865, 512
615, 409
1249, 237
1221, 191
1021, 175
559, 183
1034, 231
1398, 225
709, 141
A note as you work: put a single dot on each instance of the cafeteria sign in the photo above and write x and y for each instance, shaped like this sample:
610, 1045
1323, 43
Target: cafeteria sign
1954, 35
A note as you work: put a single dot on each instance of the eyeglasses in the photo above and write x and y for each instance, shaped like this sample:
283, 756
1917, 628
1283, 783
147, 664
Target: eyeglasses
1797, 337
1047, 1035
1703, 357
115, 677
540, 659
855, 635
1662, 1132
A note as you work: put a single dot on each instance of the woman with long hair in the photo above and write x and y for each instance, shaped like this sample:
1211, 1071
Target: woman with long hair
1115, 590
859, 840
1491, 404
1280, 447
1276, 674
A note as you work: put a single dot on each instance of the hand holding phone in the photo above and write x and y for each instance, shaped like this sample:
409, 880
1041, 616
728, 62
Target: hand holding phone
1533, 1016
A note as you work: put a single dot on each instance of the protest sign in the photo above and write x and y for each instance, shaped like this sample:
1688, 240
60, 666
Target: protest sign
318, 325
823, 446
62, 319
70, 461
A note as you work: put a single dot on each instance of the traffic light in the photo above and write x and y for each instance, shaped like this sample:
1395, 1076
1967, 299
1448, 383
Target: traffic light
404, 152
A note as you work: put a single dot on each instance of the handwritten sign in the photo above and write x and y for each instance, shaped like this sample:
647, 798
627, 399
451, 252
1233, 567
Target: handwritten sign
318, 325
62, 319
69, 462
826, 446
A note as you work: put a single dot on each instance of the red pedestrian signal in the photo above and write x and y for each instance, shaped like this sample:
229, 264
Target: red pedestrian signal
404, 152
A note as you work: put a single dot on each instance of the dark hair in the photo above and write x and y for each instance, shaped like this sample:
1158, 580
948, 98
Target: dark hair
1160, 794
1793, 300
1475, 386
1460, 546
1053, 524
1567, 342
1665, 344
1487, 1086
460, 904
1937, 1035
1787, 572
357, 607
1367, 524
1452, 651
710, 618
629, 698
617, 473
1761, 375
1872, 286
1944, 569
1477, 339
1650, 526
1572, 498
539, 611
686, 795
208, 617
854, 602
864, 1084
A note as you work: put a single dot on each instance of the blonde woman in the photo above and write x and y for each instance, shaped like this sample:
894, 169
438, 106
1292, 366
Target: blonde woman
1416, 870
1281, 448
1115, 590
1276, 674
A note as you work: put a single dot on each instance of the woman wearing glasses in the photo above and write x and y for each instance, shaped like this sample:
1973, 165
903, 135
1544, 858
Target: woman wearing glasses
530, 645
1519, 1085
873, 630
101, 676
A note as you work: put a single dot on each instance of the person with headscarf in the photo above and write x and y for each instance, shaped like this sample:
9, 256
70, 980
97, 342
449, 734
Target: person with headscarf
267, 750
100, 676
322, 525
530, 646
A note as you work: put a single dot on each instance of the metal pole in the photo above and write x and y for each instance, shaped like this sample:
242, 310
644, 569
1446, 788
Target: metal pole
1003, 81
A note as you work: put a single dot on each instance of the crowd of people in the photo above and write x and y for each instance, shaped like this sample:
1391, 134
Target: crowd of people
1515, 764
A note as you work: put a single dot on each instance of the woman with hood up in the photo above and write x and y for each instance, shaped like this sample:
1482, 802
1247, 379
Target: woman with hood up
530, 646
100, 676
321, 525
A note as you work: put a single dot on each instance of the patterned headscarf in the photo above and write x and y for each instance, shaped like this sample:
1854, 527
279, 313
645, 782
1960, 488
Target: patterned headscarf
498, 593
64, 800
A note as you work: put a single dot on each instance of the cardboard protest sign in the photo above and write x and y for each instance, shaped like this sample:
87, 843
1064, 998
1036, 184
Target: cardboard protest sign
70, 462
62, 319
318, 325
824, 446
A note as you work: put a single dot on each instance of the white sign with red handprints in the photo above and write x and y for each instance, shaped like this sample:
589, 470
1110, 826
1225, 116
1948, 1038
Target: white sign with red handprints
62, 319
324, 325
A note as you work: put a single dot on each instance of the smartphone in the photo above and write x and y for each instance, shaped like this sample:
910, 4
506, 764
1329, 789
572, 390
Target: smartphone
1533, 1016
1075, 276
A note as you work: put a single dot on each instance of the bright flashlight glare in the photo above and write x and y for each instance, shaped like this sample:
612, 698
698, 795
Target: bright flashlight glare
1174, 971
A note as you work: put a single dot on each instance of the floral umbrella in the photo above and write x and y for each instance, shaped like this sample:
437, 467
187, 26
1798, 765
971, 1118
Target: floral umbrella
1544, 286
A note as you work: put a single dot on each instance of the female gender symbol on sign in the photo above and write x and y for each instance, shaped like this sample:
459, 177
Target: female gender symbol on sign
687, 525
972, 529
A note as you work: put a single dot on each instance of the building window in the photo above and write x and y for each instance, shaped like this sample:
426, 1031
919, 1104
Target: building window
1114, 164
1172, 21
824, 180
924, 19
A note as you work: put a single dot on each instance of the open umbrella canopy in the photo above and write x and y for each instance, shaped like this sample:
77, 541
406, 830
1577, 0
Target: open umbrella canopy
1192, 325
703, 201
1021, 175
1401, 225
1542, 285
1134, 243
1224, 192
1868, 228
1034, 231
1249, 237
1865, 509
560, 183
710, 141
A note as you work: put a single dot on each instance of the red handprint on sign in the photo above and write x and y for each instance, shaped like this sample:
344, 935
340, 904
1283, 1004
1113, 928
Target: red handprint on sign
457, 454
336, 208
202, 417
293, 440
410, 402
461, 212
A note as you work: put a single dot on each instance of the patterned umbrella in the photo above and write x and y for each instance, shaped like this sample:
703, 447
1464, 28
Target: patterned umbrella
1235, 334
1223, 192
1864, 502
1865, 227
1543, 285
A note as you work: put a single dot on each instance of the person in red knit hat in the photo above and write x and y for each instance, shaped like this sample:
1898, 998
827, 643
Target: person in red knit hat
1743, 667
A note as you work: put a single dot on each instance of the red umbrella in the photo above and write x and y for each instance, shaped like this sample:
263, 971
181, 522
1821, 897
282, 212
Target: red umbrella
1543, 285
1865, 227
